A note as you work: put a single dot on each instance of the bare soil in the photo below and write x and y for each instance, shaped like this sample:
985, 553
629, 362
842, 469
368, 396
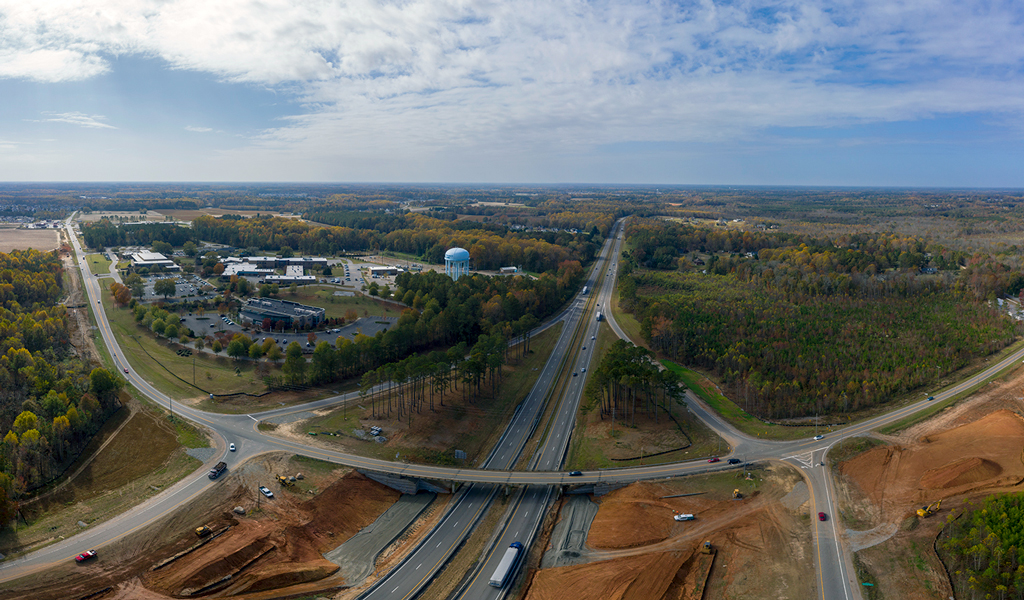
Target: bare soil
43, 240
273, 548
964, 453
636, 550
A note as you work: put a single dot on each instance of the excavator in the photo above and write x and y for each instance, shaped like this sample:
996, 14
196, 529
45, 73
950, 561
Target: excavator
931, 509
285, 481
706, 548
736, 495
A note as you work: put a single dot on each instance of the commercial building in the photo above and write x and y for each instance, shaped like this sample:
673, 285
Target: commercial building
291, 314
292, 274
154, 261
378, 271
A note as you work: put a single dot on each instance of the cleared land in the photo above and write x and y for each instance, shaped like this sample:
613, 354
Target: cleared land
98, 264
23, 239
964, 453
337, 306
635, 550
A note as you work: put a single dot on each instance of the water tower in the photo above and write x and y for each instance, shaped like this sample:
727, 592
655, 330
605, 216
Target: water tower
456, 263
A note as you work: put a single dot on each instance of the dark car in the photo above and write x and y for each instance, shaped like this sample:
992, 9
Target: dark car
734, 461
822, 516
714, 459
85, 556
575, 473
931, 397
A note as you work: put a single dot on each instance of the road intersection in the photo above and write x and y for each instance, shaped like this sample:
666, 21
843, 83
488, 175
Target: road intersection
836, 577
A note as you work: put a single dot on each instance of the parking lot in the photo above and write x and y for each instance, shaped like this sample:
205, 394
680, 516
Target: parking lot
185, 286
211, 324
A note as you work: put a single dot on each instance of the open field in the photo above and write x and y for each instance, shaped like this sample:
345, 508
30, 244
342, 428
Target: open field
23, 239
98, 264
471, 425
634, 549
337, 306
111, 477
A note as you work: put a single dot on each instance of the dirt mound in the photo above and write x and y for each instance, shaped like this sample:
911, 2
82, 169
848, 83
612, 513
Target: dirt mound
631, 516
895, 477
960, 472
281, 548
643, 577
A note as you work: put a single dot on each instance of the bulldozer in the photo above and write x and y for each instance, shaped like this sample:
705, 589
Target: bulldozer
931, 509
736, 495
285, 481
203, 531
706, 548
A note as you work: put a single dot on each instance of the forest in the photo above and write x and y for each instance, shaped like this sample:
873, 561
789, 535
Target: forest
797, 327
105, 234
422, 236
51, 401
983, 549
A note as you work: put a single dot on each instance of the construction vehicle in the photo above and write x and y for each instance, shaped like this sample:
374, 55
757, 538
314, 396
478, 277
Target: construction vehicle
736, 495
218, 469
285, 481
931, 509
203, 531
706, 548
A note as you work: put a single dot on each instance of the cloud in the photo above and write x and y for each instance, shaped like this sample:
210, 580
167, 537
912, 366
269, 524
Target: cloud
405, 77
77, 118
198, 129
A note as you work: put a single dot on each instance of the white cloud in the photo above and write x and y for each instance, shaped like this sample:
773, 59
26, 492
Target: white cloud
77, 118
394, 78
198, 129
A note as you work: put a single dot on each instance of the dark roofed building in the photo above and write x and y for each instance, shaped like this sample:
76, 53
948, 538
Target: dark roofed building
291, 314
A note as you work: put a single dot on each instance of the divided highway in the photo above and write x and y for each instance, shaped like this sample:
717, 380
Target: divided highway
836, 578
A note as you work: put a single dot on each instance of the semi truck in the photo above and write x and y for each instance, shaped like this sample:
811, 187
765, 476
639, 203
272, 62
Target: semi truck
600, 317
508, 564
218, 469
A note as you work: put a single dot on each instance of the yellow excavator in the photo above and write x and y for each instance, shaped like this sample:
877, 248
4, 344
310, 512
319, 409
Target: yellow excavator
736, 495
285, 481
706, 548
931, 509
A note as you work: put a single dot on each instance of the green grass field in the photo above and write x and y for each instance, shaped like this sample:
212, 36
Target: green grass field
337, 306
146, 355
98, 264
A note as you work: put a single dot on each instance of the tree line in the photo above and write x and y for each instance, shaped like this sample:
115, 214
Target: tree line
630, 381
106, 234
51, 400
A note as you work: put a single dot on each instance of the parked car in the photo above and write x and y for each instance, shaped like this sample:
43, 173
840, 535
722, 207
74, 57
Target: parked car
684, 517
85, 556
266, 492
822, 516
714, 459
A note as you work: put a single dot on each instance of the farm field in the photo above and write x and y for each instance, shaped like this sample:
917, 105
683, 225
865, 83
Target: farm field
23, 239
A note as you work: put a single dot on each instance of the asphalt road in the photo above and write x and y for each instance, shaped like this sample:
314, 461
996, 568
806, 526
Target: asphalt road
833, 559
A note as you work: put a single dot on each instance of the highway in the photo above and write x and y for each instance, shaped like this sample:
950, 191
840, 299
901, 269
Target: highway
836, 578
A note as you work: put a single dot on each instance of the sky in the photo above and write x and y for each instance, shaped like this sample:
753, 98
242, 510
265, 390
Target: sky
923, 93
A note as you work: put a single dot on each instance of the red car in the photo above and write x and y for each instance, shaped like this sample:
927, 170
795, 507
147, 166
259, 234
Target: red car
126, 370
822, 517
714, 459
85, 556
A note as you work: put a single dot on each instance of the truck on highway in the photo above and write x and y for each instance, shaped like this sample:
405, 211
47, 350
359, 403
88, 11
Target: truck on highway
218, 469
508, 564
600, 317
585, 290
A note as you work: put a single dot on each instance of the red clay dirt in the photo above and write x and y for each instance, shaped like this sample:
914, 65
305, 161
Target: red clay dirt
636, 549
270, 553
985, 453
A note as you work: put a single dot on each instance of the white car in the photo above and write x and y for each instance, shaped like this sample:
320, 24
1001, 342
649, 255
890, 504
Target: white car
231, 447
818, 437
684, 517
266, 492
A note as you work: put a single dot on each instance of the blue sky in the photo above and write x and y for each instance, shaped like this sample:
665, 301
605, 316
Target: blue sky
846, 92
